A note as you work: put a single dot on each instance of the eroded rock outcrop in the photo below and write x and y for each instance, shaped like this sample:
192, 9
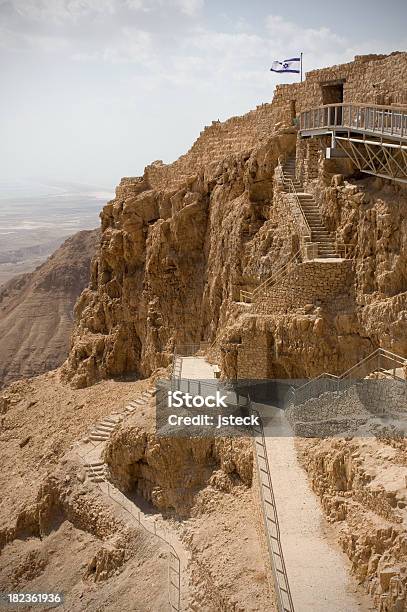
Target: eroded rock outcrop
170, 260
170, 472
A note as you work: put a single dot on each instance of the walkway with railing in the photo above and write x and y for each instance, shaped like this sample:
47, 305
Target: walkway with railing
381, 363
383, 121
196, 385
319, 571
373, 137
90, 455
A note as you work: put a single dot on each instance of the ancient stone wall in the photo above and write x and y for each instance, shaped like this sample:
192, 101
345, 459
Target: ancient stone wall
375, 79
237, 135
307, 283
253, 354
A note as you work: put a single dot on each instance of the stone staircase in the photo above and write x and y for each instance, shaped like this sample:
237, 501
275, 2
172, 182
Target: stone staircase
95, 468
140, 401
96, 471
319, 233
104, 428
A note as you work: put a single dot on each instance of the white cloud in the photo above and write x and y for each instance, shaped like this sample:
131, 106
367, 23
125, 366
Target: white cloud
61, 10
133, 46
58, 11
189, 7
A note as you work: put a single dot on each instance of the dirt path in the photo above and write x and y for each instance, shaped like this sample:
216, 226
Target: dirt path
90, 454
318, 571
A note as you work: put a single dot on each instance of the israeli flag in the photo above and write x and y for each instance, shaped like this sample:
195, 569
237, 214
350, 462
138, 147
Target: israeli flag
288, 65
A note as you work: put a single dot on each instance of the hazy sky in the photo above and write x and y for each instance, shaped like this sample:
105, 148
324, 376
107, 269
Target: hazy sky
92, 90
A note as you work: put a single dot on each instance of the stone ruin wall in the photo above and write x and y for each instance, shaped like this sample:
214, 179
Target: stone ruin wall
374, 79
306, 283
237, 135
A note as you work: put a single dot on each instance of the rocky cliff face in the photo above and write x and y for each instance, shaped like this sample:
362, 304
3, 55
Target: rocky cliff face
172, 263
36, 309
371, 216
171, 259
170, 472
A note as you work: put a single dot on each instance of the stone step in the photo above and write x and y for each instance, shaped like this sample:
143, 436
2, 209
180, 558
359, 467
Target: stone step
129, 409
96, 472
115, 417
97, 478
103, 429
94, 465
108, 424
110, 421
99, 437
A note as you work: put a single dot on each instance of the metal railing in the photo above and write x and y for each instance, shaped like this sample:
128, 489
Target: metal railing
380, 361
369, 118
250, 296
173, 560
297, 211
270, 516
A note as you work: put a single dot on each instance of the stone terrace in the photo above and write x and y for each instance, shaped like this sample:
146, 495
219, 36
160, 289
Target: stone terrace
322, 280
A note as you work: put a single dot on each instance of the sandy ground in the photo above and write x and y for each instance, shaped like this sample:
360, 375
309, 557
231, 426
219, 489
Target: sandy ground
61, 562
42, 420
43, 417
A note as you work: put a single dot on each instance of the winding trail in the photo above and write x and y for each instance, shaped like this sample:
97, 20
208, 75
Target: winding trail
90, 452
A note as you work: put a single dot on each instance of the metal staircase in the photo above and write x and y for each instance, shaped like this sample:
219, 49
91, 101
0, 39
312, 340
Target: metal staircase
310, 210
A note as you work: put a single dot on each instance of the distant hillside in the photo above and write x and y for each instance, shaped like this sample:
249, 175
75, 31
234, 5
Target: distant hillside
36, 309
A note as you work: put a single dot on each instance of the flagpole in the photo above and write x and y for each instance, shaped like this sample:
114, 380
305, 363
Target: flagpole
301, 66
